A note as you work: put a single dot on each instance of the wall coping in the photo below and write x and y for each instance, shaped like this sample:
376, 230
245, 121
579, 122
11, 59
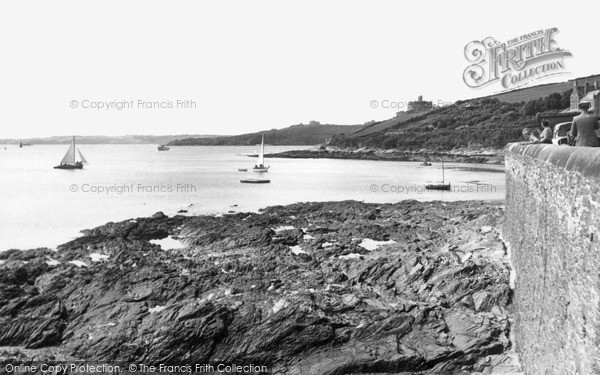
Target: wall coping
585, 160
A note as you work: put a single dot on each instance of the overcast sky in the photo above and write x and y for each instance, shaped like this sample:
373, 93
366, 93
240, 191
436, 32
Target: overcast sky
252, 65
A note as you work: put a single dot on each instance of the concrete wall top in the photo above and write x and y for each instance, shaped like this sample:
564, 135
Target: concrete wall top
585, 160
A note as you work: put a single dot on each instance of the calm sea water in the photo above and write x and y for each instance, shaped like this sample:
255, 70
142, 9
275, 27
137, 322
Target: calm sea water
41, 206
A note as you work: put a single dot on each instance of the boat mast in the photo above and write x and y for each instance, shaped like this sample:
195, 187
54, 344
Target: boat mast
73, 145
442, 171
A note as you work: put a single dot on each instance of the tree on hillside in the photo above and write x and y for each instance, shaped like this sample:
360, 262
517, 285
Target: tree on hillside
565, 100
552, 101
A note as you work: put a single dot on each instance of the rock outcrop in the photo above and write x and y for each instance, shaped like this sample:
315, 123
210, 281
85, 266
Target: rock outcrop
310, 288
463, 155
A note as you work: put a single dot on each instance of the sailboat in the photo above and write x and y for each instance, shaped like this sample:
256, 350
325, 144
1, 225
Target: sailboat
438, 185
70, 160
260, 165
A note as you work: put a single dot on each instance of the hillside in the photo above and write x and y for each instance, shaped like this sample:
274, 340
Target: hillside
491, 123
471, 120
488, 122
295, 135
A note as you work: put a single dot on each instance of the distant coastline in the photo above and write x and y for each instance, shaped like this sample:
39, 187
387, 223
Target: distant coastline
101, 139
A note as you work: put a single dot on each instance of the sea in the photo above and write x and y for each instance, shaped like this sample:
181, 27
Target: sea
45, 207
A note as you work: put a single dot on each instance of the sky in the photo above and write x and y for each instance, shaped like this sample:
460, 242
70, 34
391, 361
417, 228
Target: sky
244, 66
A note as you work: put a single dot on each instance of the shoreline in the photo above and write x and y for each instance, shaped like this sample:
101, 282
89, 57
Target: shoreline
419, 276
458, 156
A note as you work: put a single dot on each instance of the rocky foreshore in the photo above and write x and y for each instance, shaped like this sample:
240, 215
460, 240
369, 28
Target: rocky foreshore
488, 156
309, 288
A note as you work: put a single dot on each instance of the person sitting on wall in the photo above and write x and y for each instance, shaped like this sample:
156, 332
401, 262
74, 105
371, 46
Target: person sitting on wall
531, 135
545, 136
584, 127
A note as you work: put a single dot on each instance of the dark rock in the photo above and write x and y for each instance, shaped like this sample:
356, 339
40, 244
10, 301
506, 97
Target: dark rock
238, 293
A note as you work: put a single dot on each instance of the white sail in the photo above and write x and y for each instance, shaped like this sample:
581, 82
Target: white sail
261, 156
69, 157
81, 156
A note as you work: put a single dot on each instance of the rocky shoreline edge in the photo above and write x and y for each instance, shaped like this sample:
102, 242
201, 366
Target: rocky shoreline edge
309, 288
483, 156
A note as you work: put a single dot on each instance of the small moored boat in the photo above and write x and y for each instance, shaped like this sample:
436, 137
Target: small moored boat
163, 148
254, 181
260, 165
438, 185
242, 169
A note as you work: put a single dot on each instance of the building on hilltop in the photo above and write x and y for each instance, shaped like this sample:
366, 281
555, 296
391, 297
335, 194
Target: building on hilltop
419, 105
589, 94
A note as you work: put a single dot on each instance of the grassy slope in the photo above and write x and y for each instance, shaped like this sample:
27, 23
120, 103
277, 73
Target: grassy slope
381, 126
491, 124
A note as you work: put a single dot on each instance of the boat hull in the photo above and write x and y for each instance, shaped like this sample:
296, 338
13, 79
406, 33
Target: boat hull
69, 166
254, 181
437, 186
260, 169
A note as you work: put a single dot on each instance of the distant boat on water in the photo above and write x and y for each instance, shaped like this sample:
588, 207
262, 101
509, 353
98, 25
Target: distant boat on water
70, 160
438, 185
242, 169
254, 181
425, 164
260, 165
163, 148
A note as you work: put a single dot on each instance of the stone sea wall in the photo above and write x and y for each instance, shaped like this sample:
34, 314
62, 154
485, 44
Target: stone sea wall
552, 226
